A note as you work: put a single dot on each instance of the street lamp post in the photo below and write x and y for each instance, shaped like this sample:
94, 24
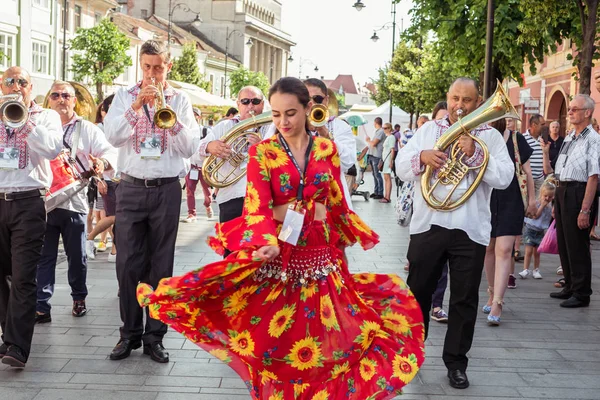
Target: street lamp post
305, 61
172, 9
489, 44
227, 36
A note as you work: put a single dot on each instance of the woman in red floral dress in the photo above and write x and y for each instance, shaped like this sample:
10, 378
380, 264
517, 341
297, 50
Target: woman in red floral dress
290, 319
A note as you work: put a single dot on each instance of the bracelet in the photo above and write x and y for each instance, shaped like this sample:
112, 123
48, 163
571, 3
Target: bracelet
584, 212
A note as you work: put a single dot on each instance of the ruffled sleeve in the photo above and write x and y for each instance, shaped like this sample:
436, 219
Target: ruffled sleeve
256, 227
349, 226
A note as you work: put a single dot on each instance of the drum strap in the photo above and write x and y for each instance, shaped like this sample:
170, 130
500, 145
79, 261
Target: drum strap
76, 136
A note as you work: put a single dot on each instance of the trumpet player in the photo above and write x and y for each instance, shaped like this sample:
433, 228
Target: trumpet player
150, 160
24, 176
459, 236
94, 155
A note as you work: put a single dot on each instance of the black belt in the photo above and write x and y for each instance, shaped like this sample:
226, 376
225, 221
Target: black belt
23, 195
149, 183
571, 184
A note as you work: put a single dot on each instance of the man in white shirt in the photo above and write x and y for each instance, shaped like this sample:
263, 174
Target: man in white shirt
23, 183
93, 156
230, 199
150, 160
458, 236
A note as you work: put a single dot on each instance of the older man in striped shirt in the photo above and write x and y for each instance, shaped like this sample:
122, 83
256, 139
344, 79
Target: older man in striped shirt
577, 169
536, 123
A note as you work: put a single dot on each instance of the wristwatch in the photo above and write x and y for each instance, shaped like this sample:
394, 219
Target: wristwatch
585, 212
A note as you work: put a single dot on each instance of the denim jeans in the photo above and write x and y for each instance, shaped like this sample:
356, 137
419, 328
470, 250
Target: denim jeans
438, 296
374, 162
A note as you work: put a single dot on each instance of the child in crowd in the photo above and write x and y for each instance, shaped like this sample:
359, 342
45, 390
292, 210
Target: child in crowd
535, 228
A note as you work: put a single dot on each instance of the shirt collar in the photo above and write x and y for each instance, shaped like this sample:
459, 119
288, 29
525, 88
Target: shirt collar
72, 121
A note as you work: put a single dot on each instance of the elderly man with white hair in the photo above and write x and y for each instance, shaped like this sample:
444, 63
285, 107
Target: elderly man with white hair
577, 169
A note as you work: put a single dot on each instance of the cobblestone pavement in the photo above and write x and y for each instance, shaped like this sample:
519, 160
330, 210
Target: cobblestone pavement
541, 351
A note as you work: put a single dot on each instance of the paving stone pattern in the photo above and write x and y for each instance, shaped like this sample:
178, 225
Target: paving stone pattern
540, 351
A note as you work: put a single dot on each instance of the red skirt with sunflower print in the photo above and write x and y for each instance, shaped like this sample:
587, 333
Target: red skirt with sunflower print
336, 336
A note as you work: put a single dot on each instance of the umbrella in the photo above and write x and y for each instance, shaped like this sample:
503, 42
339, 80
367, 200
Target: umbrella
354, 119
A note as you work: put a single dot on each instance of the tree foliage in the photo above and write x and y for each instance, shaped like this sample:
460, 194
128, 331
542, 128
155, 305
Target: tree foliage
100, 54
185, 68
244, 77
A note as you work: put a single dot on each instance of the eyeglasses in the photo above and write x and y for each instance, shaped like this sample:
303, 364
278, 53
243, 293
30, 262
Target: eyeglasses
254, 101
318, 99
575, 109
21, 81
385, 127
55, 96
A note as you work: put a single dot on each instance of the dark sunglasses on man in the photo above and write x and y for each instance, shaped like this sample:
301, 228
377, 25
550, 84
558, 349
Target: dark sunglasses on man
11, 81
254, 101
55, 96
318, 99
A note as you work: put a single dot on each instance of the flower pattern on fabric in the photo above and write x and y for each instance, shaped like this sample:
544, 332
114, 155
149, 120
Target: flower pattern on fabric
338, 336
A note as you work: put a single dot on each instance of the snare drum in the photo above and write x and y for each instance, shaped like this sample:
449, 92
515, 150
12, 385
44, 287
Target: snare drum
66, 182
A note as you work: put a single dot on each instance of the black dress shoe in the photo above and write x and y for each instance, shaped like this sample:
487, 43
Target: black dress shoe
458, 379
372, 195
123, 348
563, 295
42, 318
3, 350
15, 357
574, 302
157, 352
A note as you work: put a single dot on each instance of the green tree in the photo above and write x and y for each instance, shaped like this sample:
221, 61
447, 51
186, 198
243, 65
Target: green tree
100, 54
244, 77
185, 68
576, 20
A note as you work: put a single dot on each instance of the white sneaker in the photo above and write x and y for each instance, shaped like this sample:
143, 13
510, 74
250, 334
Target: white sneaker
189, 219
112, 258
209, 212
90, 249
524, 274
536, 274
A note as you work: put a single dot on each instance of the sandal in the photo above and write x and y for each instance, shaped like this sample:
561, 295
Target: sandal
384, 200
517, 256
561, 283
594, 236
559, 270
486, 309
493, 320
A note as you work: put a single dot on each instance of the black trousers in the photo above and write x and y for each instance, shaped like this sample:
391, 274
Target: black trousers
230, 210
148, 220
428, 252
22, 227
574, 243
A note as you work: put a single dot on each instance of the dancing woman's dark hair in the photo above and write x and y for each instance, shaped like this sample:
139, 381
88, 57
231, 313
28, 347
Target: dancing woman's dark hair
293, 86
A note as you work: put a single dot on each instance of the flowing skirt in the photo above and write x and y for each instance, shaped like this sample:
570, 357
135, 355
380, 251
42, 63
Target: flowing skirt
300, 327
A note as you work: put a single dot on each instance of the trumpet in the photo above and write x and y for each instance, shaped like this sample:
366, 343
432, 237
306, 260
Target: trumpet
319, 114
13, 111
164, 117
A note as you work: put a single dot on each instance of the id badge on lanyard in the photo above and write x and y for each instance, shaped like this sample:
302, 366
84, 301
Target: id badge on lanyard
9, 155
194, 174
150, 147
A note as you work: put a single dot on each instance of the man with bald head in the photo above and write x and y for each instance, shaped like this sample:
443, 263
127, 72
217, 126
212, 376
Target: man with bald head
458, 237
250, 101
93, 156
25, 175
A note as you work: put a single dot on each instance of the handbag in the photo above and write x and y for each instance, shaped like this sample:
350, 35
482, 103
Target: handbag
549, 243
521, 175
382, 162
404, 204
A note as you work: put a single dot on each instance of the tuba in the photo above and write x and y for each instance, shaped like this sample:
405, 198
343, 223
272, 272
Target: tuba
164, 117
319, 114
85, 106
455, 170
13, 111
213, 169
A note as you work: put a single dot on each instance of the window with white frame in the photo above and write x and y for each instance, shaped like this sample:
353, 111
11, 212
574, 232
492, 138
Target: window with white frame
40, 57
7, 43
42, 3
97, 18
77, 17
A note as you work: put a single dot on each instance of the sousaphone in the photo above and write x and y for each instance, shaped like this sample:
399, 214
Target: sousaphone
85, 106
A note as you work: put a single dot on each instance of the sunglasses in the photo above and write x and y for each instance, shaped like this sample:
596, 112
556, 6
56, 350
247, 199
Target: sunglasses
55, 96
21, 81
254, 101
318, 99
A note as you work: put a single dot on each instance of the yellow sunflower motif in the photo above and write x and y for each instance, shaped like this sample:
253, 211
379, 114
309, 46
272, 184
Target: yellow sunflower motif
221, 354
276, 396
252, 200
395, 322
305, 354
299, 388
275, 292
270, 155
396, 280
243, 275
306, 292
254, 219
321, 395
323, 148
369, 330
282, 321
337, 281
335, 193
405, 368
238, 300
328, 318
335, 160
242, 343
339, 370
367, 368
364, 278
267, 376
359, 224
